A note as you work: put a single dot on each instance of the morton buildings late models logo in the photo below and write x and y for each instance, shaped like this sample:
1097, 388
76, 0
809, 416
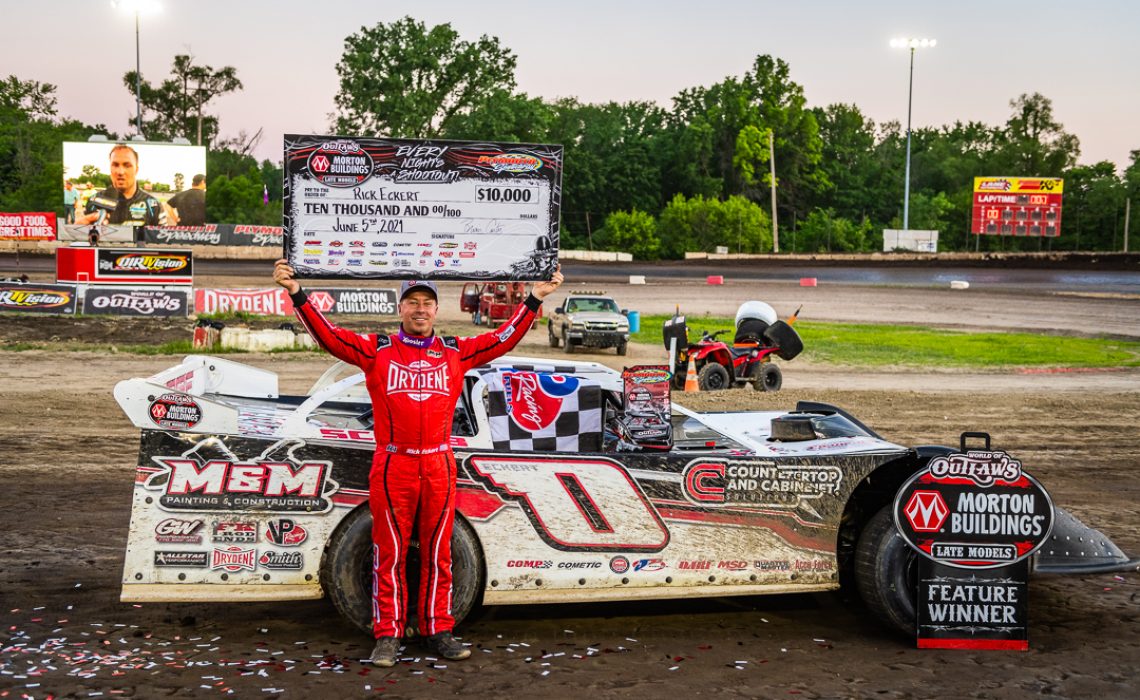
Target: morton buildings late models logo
188, 483
341, 163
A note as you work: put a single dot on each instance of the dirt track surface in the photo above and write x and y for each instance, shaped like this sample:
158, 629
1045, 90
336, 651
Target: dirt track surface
66, 464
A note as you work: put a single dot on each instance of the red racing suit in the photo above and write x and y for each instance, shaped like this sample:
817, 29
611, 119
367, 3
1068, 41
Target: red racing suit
413, 382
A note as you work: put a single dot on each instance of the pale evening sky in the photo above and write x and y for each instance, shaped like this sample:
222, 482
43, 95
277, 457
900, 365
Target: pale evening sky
1083, 56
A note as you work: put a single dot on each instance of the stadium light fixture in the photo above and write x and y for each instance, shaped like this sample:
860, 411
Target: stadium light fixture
911, 44
137, 7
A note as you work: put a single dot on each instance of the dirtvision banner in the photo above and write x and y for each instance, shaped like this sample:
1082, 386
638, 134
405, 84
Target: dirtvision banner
275, 302
215, 234
397, 208
38, 298
136, 302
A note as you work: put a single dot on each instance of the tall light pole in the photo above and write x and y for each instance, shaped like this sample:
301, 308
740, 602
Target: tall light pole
911, 44
137, 7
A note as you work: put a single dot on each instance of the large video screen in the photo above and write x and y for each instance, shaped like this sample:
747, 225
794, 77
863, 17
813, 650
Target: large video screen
134, 184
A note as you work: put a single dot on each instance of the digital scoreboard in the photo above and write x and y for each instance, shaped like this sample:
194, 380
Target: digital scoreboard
1017, 206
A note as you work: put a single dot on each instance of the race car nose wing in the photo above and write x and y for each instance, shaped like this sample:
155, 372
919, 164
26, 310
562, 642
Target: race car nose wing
1076, 548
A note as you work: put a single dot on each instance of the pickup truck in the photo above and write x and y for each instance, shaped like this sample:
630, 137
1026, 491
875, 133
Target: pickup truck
589, 319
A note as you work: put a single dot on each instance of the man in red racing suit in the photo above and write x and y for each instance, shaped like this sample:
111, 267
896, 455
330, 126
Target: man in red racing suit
414, 378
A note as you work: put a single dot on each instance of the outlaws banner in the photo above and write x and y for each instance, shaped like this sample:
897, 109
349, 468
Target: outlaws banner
38, 298
1017, 206
136, 302
396, 208
25, 226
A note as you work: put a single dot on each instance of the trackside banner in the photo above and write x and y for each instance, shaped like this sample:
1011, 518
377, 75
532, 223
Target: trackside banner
38, 298
136, 302
27, 226
275, 302
215, 234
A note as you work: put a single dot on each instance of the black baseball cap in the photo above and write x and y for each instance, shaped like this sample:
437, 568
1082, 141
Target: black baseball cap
409, 286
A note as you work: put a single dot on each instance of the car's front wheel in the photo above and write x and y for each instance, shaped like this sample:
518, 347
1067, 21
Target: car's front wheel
886, 573
346, 570
550, 335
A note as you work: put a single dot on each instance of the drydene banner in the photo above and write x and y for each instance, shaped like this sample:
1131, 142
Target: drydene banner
27, 226
399, 208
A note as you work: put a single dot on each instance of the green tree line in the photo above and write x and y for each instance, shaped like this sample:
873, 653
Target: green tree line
638, 177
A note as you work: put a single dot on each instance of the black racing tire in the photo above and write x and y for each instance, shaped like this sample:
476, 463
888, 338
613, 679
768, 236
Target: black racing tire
550, 335
886, 573
622, 348
785, 339
346, 570
566, 344
712, 377
770, 379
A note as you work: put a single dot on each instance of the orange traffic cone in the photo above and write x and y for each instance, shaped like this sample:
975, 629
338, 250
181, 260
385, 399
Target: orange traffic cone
691, 378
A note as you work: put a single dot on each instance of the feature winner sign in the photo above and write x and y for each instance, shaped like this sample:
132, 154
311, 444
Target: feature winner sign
1017, 206
975, 517
396, 208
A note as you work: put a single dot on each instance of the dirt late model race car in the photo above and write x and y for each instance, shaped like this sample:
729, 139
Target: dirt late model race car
242, 493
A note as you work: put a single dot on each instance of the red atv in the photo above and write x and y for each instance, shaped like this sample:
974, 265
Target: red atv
748, 360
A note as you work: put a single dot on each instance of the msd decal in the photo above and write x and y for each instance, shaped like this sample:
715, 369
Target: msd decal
418, 381
534, 400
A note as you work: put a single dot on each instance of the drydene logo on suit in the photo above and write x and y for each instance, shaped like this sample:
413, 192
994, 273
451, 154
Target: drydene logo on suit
419, 380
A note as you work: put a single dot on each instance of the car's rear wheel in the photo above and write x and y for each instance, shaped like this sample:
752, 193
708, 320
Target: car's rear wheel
886, 573
712, 377
346, 570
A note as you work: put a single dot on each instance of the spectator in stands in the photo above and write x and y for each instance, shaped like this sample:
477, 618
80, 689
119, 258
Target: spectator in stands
190, 205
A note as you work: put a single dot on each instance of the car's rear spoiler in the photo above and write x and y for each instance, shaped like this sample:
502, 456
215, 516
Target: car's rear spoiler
199, 377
